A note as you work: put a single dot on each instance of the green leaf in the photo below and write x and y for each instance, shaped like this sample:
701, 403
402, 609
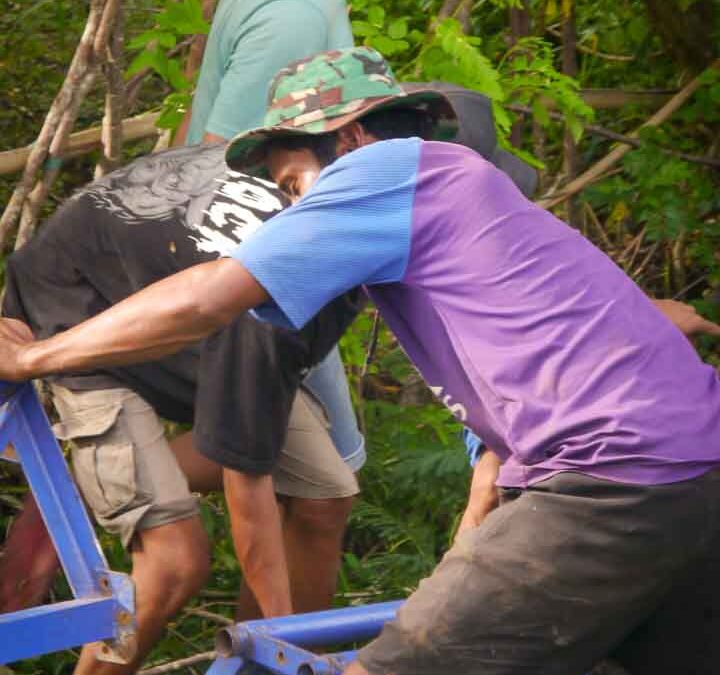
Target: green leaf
154, 60
184, 18
162, 38
575, 127
376, 16
363, 29
398, 29
416, 36
383, 44
175, 76
540, 113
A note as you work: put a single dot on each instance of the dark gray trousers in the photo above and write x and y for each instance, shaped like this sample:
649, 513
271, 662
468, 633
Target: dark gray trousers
564, 574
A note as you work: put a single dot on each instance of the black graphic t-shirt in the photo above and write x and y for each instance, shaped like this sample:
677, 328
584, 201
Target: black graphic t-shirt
155, 217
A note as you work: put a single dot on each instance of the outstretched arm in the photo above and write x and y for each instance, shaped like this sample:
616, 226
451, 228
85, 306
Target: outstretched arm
159, 320
686, 318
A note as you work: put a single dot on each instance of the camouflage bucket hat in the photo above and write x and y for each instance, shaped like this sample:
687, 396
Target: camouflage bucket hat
324, 92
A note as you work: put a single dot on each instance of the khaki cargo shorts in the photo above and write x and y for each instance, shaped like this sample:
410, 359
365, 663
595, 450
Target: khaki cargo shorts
131, 481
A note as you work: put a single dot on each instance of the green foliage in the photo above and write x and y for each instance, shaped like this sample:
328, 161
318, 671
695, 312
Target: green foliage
523, 75
530, 78
656, 213
673, 202
178, 18
415, 480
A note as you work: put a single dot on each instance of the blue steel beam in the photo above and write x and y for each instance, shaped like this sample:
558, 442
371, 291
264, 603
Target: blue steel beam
334, 626
25, 428
56, 495
326, 664
275, 646
53, 627
223, 666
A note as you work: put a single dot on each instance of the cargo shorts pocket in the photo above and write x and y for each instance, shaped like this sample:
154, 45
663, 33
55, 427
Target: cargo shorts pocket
104, 466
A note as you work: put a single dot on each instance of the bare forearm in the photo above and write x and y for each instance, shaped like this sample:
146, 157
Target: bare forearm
157, 321
257, 537
483, 496
182, 130
686, 318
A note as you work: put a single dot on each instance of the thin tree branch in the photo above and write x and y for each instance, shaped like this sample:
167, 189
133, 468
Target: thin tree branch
589, 50
211, 616
594, 172
174, 666
621, 138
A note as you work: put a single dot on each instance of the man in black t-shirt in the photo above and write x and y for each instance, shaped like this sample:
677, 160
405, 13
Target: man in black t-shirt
255, 429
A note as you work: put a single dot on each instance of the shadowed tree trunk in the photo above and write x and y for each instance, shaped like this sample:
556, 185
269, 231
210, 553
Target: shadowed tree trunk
570, 67
520, 25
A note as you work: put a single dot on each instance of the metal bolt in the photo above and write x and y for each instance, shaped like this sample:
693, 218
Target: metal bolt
124, 618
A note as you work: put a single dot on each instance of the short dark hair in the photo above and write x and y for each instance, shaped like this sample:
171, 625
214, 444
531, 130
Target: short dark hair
321, 145
399, 123
383, 124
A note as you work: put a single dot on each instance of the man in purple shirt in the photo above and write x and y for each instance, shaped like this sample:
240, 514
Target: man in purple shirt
604, 419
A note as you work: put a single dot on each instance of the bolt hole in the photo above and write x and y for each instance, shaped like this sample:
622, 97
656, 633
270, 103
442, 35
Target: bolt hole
281, 658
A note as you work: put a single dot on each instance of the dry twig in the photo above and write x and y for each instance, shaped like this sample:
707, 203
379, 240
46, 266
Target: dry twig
174, 666
211, 616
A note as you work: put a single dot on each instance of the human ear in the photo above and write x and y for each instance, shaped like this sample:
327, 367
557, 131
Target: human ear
350, 137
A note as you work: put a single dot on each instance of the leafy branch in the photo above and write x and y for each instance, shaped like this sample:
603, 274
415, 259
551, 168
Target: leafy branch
178, 19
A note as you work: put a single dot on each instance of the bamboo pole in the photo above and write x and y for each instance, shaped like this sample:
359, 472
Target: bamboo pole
142, 126
85, 141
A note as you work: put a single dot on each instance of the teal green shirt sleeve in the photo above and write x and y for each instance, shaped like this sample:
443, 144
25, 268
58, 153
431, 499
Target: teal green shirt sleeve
276, 34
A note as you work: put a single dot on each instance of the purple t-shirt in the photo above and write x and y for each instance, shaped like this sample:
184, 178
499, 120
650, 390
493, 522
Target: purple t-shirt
533, 337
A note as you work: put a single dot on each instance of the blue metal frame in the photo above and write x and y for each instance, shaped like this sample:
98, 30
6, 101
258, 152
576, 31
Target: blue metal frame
276, 646
104, 605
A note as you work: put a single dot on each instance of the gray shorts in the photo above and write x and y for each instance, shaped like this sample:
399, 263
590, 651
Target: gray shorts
564, 574
131, 481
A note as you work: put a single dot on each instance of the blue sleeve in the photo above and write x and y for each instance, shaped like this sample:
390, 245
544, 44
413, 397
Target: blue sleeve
474, 446
276, 34
353, 227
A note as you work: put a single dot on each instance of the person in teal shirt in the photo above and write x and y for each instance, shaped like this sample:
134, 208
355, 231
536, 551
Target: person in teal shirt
249, 42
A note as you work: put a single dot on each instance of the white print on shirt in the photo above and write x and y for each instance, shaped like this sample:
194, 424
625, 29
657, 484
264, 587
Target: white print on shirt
247, 194
193, 187
230, 222
457, 409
